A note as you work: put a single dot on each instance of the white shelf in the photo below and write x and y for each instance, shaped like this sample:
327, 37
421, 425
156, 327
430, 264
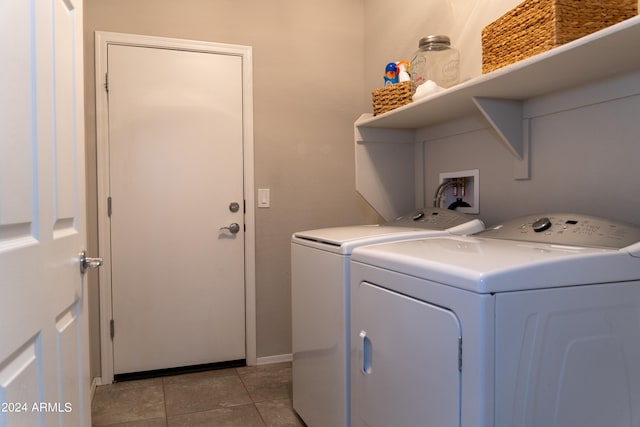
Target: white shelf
499, 96
598, 56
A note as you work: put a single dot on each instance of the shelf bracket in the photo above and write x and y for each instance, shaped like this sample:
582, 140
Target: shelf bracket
505, 116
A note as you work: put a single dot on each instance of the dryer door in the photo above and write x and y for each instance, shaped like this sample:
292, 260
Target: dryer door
408, 354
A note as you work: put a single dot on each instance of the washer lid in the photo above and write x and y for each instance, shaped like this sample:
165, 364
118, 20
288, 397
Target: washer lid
493, 265
439, 222
338, 236
344, 239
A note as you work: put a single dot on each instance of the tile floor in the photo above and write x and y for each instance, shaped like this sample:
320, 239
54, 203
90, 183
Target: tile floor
244, 397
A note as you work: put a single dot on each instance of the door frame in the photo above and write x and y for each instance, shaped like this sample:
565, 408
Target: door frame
102, 40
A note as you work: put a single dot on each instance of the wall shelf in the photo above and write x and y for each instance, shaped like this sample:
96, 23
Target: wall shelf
606, 53
501, 94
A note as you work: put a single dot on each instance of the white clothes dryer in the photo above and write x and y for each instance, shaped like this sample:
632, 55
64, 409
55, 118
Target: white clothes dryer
535, 322
320, 305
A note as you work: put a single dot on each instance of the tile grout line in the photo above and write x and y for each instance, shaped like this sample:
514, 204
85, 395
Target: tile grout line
253, 402
164, 403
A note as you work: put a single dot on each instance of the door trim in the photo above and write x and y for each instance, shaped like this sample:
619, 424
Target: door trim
102, 40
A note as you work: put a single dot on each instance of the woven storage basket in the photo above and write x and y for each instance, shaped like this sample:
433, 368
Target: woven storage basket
391, 97
535, 26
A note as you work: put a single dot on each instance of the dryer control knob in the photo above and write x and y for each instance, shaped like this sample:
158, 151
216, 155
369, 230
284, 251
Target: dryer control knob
541, 225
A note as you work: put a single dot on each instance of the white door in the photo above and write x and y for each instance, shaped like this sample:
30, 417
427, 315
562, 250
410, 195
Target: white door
408, 361
176, 179
44, 375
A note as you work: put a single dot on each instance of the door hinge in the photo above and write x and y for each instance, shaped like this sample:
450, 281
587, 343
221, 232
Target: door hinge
460, 354
112, 328
106, 82
109, 206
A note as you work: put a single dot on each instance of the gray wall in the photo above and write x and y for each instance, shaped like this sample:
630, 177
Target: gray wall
583, 158
308, 62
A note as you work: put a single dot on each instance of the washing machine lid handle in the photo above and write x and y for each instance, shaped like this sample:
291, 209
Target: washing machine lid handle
471, 227
633, 250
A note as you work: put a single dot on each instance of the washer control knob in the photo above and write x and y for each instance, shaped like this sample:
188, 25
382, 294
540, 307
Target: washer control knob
541, 225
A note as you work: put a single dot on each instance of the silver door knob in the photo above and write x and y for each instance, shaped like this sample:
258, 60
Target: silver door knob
234, 206
86, 262
233, 228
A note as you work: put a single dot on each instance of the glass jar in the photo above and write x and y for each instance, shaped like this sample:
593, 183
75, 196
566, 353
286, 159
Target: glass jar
435, 60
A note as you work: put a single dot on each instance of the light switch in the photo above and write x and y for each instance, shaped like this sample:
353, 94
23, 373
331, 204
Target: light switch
264, 198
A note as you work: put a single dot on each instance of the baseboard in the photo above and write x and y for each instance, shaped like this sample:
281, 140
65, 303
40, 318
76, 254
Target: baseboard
95, 383
267, 360
278, 358
180, 370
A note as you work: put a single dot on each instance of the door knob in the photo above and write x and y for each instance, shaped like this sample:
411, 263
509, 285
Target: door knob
86, 262
233, 228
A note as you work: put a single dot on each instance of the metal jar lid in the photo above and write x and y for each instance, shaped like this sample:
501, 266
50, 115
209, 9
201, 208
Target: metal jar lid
429, 40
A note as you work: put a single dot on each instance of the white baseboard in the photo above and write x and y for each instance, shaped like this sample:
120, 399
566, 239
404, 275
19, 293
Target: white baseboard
94, 383
279, 358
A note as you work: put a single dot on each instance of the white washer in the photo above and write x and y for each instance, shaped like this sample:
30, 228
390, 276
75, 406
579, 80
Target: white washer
535, 322
320, 305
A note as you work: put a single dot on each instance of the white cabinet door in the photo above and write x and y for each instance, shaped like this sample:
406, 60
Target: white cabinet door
176, 166
408, 370
44, 374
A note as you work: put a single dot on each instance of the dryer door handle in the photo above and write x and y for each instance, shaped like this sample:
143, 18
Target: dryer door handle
366, 353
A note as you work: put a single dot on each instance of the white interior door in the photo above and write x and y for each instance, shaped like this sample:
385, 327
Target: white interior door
176, 168
44, 375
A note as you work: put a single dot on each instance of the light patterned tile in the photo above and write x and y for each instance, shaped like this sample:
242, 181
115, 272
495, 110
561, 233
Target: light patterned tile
213, 398
156, 422
128, 401
236, 416
204, 391
268, 382
279, 413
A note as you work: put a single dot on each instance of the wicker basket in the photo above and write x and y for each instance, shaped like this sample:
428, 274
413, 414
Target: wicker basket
391, 97
535, 26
